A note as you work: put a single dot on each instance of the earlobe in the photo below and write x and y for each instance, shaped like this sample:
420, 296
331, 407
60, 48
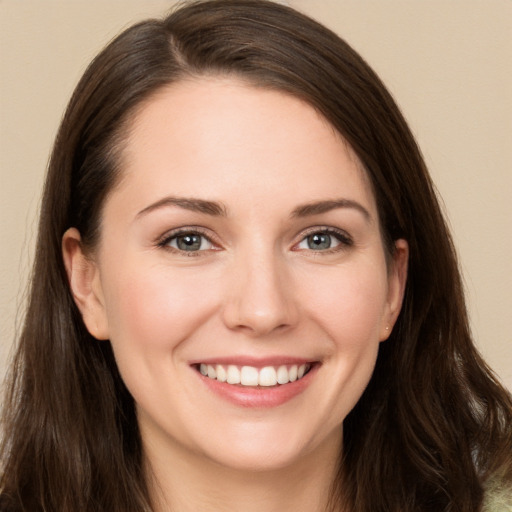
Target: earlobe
85, 284
397, 280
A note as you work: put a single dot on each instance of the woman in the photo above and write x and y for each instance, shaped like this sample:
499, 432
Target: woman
245, 294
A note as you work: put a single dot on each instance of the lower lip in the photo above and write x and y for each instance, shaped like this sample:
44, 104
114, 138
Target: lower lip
259, 397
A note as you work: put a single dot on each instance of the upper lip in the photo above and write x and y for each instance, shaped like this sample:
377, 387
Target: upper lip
256, 362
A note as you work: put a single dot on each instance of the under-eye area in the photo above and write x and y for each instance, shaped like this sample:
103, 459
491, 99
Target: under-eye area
252, 376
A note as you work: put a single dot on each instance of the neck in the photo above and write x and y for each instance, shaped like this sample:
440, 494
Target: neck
183, 481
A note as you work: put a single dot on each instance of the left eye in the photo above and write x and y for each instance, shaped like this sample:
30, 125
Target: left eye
189, 242
320, 241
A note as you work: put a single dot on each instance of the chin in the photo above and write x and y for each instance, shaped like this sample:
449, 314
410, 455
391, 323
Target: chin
256, 458
265, 448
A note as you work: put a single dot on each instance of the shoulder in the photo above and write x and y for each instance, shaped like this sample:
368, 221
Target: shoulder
498, 497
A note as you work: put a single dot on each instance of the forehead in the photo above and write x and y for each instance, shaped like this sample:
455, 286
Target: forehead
216, 136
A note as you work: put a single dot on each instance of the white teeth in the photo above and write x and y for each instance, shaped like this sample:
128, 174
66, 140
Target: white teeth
268, 376
233, 376
250, 376
222, 376
283, 375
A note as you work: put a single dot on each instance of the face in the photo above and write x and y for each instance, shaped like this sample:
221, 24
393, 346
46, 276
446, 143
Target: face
240, 277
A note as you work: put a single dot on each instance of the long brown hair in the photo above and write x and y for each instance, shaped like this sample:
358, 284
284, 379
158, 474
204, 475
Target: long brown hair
433, 425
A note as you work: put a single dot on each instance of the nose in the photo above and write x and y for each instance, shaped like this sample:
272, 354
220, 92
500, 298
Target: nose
260, 298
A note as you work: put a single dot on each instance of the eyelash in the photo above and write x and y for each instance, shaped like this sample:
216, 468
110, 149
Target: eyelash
166, 239
342, 237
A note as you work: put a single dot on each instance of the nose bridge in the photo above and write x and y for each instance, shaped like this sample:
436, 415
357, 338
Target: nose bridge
260, 296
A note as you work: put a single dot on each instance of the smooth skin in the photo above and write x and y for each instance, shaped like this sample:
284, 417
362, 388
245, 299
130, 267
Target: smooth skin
243, 226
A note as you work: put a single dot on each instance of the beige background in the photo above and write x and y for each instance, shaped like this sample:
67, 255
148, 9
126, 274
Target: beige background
447, 63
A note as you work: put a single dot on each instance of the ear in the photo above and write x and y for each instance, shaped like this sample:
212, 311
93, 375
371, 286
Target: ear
85, 284
397, 278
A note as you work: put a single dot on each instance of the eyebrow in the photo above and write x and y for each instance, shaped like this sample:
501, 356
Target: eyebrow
219, 210
319, 207
195, 205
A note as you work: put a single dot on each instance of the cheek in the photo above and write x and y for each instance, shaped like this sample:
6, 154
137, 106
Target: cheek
351, 314
350, 304
156, 309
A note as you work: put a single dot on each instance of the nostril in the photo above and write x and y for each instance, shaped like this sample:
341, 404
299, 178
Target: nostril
259, 321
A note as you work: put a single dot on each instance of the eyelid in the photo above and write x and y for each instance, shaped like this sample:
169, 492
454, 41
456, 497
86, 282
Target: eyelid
163, 240
341, 235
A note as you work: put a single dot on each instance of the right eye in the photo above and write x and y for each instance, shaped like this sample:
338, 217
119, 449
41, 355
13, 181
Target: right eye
319, 241
187, 241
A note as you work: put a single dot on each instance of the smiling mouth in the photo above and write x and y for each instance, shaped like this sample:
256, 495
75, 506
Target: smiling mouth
250, 376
